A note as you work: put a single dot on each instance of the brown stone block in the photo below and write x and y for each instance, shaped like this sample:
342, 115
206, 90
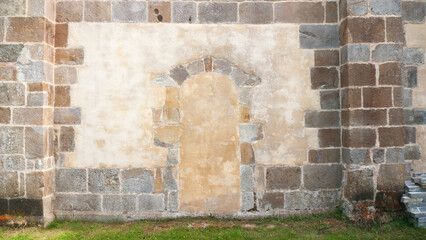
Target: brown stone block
362, 30
32, 116
270, 201
2, 28
7, 73
324, 156
256, 12
327, 58
49, 32
67, 139
62, 96
359, 137
395, 30
65, 75
25, 29
324, 78
299, 12
48, 53
351, 98
69, 11
391, 136
391, 177
283, 178
38, 87
4, 115
167, 136
244, 114
377, 97
69, 116
358, 75
61, 35
247, 154
359, 185
158, 186
321, 176
396, 116
329, 138
364, 118
36, 142
12, 94
331, 12
97, 11
390, 74
39, 184
159, 12
172, 97
69, 56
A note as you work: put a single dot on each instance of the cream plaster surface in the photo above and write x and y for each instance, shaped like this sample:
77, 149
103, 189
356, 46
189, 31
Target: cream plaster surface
115, 91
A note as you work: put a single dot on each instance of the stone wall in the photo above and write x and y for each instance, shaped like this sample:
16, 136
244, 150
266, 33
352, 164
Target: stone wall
134, 109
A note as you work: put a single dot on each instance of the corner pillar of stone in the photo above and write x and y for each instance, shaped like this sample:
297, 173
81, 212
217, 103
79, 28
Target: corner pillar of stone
26, 110
372, 107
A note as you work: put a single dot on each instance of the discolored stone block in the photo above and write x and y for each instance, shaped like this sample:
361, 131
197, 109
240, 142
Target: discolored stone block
12, 94
36, 99
351, 98
324, 156
62, 96
4, 206
413, 152
324, 78
12, 7
65, 75
215, 12
377, 97
9, 53
247, 178
359, 185
67, 116
331, 11
278, 178
195, 67
247, 201
318, 36
271, 201
70, 180
39, 184
164, 80
173, 201
244, 114
413, 12
36, 142
409, 76
103, 180
395, 30
255, 12
11, 140
326, 58
69, 11
69, 56
97, 11
359, 138
364, 118
362, 30
414, 56
330, 99
395, 155
9, 186
355, 53
247, 154
299, 12
391, 177
151, 203
184, 12
25, 29
358, 75
173, 157
61, 35
388, 52
317, 177
32, 116
4, 115
208, 64
26, 206
250, 132
119, 203
169, 177
410, 135
322, 119
386, 7
390, 74
391, 136
67, 139
396, 116
305, 200
415, 116
137, 181
128, 12
356, 7
179, 74
389, 201
329, 138
378, 156
356, 156
159, 12
222, 66
78, 202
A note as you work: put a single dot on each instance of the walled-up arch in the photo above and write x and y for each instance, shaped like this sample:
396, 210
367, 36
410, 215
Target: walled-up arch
206, 125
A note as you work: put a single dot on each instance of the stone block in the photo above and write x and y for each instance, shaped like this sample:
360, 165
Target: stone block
322, 119
12, 94
271, 201
158, 185
362, 30
396, 116
69, 11
12, 162
413, 12
388, 52
359, 156
167, 136
317, 177
119, 203
179, 74
164, 80
250, 132
410, 135
409, 77
329, 138
351, 97
71, 180
62, 96
10, 53
247, 153
61, 35
103, 180
244, 95
195, 67
170, 176
25, 29
36, 99
278, 178
26, 206
9, 185
208, 64
357, 75
395, 155
35, 72
356, 7
331, 10
159, 12
391, 177
390, 74
4, 115
12, 7
36, 142
386, 7
39, 184
391, 136
4, 206
259, 175
412, 152
324, 58
355, 53
65, 75
69, 56
377, 97
7, 72
359, 185
32, 116
173, 201
137, 181
247, 178
415, 116
324, 156
244, 114
97, 11
319, 36
311, 200
299, 12
255, 12
11, 140
215, 12
222, 66
171, 115
151, 203
69, 116
67, 139
364, 117
78, 202
173, 157
402, 97
185, 12
395, 30
247, 201
414, 56
128, 12
378, 156
324, 78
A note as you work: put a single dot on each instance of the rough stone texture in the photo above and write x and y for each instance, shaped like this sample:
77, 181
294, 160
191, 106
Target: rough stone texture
331, 10
391, 177
311, 200
29, 29
255, 12
129, 11
357, 8
247, 201
362, 30
247, 154
222, 66
324, 156
67, 139
195, 67
4, 206
247, 178
359, 138
377, 97
77, 202
317, 177
299, 12
103, 180
4, 115
173, 157
355, 53
170, 176
39, 184
213, 12
10, 52
159, 12
351, 98
386, 7
26, 206
12, 162
69, 11
278, 178
250, 132
271, 201
413, 12
36, 142
395, 30
12, 7
379, 155
32, 116
414, 56
137, 181
61, 35
324, 78
97, 11
389, 137
359, 185
329, 138
65, 75
356, 156
364, 118
35, 72
9, 186
151, 202
173, 201
67, 116
322, 119
11, 140
70, 180
389, 201
62, 96
164, 80
119, 203
395, 155
357, 75
7, 73
412, 153
390, 74
319, 36
388, 52
69, 56
179, 74
326, 58
12, 94
184, 12
409, 76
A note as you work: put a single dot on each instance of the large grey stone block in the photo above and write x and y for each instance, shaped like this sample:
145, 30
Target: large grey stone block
395, 155
137, 181
415, 116
129, 11
104, 180
378, 156
356, 156
278, 178
250, 132
12, 94
414, 56
330, 99
391, 177
170, 176
388, 52
413, 152
184, 12
77, 202
214, 12
173, 201
12, 162
357, 7
325, 199
409, 76
195, 67
119, 203
386, 7
322, 176
247, 201
71, 180
151, 202
355, 53
179, 74
222, 66
11, 140
271, 200
34, 72
413, 12
247, 178
319, 36
10, 52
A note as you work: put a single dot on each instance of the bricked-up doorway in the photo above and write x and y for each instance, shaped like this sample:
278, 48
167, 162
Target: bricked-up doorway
209, 171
